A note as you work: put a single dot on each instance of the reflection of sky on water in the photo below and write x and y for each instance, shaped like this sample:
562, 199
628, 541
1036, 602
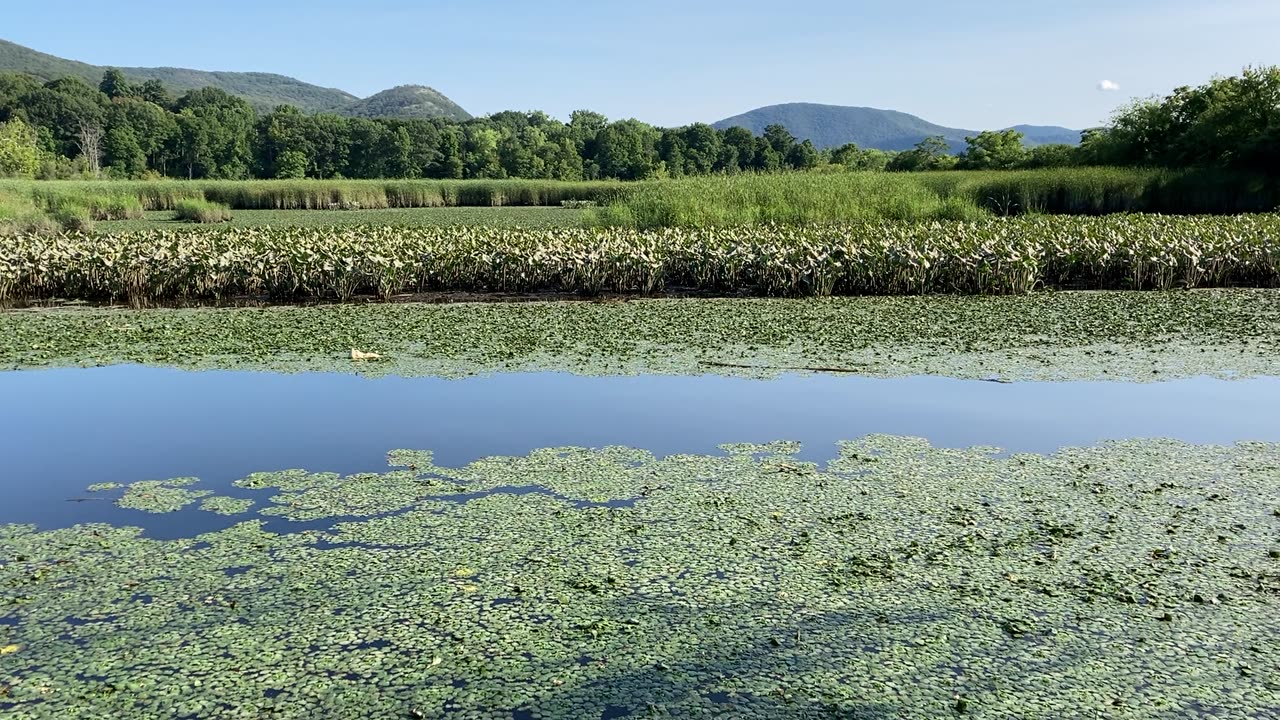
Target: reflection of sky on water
65, 429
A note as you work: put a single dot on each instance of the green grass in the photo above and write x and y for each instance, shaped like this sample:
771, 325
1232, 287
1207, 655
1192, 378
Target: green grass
202, 212
800, 198
499, 217
789, 198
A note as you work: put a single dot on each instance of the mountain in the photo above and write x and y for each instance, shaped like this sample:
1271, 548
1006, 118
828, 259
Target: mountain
1048, 135
407, 101
834, 125
263, 90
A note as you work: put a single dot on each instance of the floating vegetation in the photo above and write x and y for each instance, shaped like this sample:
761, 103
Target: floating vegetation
223, 505
1045, 336
991, 256
1127, 580
160, 496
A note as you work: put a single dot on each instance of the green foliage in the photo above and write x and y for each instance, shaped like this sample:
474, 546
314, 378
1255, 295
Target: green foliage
793, 198
928, 154
493, 217
1002, 150
1230, 122
262, 90
19, 149
123, 153
852, 157
201, 211
748, 582
114, 84
291, 165
993, 256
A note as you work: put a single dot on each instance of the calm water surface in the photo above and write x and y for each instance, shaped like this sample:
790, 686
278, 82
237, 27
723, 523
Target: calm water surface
65, 429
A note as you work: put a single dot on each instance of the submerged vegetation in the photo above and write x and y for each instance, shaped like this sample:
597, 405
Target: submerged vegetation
1132, 580
1050, 336
999, 255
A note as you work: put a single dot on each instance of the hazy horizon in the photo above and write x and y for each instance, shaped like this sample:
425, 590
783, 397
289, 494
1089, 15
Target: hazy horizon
670, 64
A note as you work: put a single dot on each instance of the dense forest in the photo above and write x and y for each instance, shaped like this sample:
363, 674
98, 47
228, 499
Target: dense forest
67, 128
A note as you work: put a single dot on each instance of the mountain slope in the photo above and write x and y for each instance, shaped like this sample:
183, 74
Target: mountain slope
263, 90
407, 101
834, 125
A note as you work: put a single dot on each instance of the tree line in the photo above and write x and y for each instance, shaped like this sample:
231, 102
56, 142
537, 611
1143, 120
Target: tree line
67, 128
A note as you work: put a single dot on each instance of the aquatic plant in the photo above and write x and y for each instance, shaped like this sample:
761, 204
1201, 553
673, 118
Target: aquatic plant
1046, 336
999, 255
1128, 580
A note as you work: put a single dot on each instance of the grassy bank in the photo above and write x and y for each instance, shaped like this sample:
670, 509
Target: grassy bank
993, 256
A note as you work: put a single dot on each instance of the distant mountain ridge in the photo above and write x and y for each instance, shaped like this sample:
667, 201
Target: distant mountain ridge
262, 90
829, 126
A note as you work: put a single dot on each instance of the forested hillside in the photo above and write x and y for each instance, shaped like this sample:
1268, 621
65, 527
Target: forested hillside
830, 126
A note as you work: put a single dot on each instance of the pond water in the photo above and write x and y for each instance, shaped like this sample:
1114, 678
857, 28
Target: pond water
69, 428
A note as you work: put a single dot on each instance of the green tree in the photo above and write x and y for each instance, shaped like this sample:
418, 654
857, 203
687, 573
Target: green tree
152, 127
330, 138
292, 164
192, 144
1052, 156
65, 107
154, 91
993, 150
122, 153
803, 156
853, 157
19, 149
780, 139
1229, 122
480, 151
13, 88
702, 147
366, 158
229, 132
283, 130
627, 150
932, 153
740, 149
397, 153
114, 84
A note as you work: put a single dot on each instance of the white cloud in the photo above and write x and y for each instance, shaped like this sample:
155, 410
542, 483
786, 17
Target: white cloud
1108, 86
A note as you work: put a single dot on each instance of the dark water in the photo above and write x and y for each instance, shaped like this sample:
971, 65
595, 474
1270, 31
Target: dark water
63, 430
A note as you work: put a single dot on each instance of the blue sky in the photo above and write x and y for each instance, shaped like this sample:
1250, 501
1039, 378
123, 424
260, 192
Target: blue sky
972, 65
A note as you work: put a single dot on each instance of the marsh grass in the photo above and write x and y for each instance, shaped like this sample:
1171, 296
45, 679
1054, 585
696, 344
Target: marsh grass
786, 199
801, 198
201, 211
326, 194
717, 201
